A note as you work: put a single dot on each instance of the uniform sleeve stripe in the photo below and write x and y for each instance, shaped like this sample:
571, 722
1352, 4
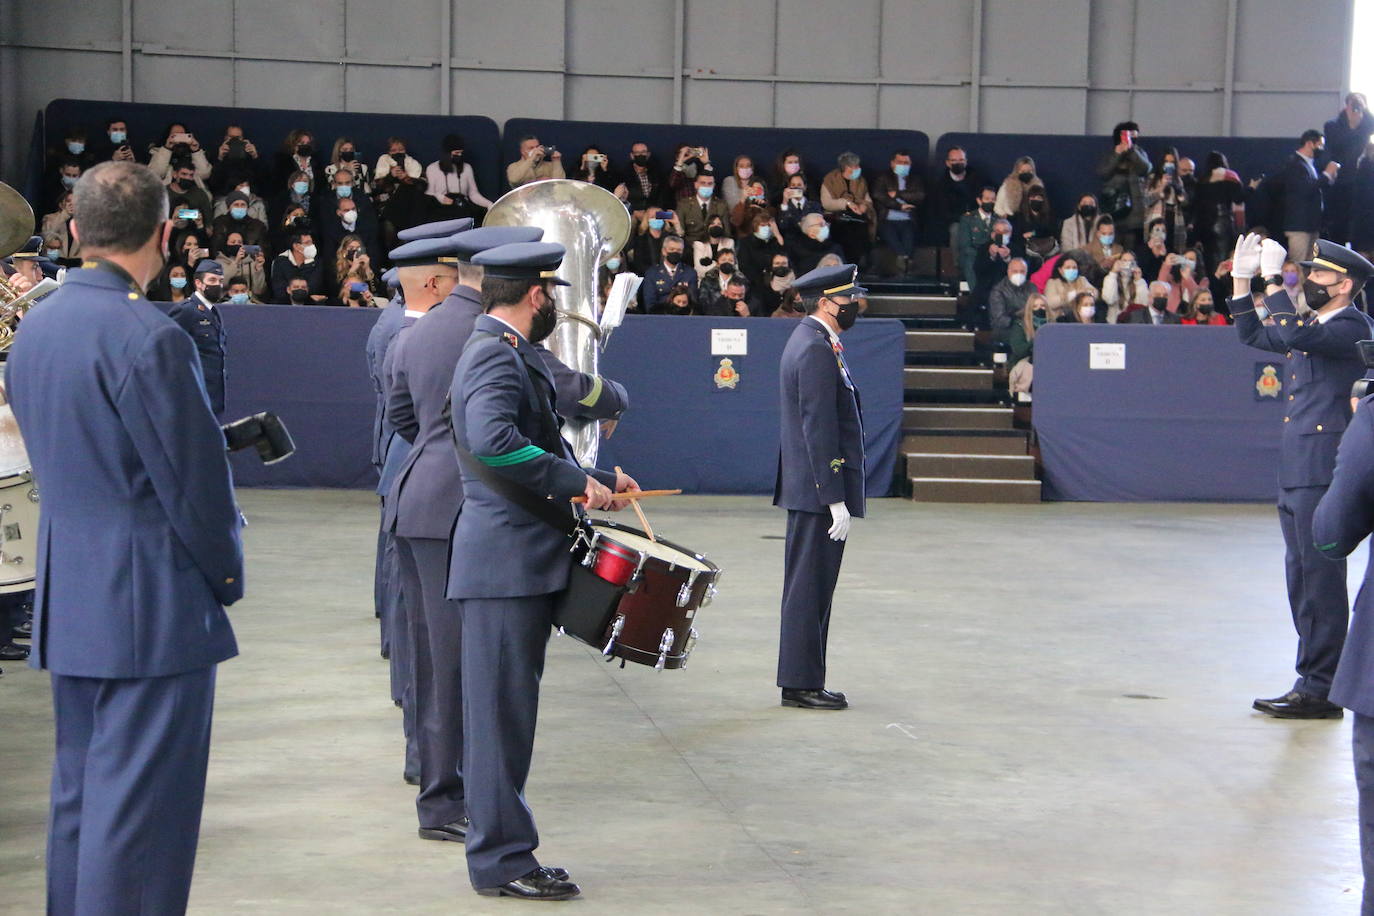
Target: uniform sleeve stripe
594, 395
519, 456
1327, 546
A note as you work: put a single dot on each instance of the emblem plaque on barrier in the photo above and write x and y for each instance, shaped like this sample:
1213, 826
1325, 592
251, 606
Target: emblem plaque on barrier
727, 376
1268, 381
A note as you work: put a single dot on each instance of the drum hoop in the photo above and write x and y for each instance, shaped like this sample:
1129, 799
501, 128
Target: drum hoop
711, 568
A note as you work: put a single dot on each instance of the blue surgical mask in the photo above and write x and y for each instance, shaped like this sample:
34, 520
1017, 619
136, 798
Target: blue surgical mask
902, 170
705, 193
1190, 263
300, 187
613, 264
239, 298
1106, 240
68, 181
1169, 168
54, 254
344, 190
75, 147
763, 233
1070, 274
178, 282
118, 136
655, 223
823, 234
238, 212
857, 172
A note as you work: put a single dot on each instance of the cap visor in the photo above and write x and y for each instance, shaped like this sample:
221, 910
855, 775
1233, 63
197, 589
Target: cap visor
556, 281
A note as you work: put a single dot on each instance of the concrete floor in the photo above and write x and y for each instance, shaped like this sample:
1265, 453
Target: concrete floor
1050, 715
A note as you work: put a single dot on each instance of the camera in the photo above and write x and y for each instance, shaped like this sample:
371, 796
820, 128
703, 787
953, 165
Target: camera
188, 213
252, 251
264, 432
1364, 387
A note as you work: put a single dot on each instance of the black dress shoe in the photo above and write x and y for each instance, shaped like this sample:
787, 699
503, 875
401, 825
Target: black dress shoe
1294, 705
455, 831
23, 631
813, 699
833, 693
10, 652
540, 884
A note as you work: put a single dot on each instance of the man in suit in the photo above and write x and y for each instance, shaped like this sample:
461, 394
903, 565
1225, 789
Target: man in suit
199, 316
1303, 189
1158, 310
507, 566
820, 478
139, 552
1323, 361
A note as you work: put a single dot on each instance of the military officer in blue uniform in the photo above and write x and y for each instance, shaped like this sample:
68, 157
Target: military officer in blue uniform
138, 554
199, 316
820, 478
507, 567
1323, 361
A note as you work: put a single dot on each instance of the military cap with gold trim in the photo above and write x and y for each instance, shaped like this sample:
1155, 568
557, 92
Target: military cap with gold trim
523, 261
475, 241
426, 252
839, 280
1342, 260
440, 230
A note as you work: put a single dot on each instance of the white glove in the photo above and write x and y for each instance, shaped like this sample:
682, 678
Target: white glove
1272, 256
1245, 261
839, 516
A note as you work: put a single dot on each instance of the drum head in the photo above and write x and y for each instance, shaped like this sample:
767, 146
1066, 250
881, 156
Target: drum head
637, 540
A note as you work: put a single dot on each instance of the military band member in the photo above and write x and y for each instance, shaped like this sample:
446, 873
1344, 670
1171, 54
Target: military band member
1322, 361
820, 478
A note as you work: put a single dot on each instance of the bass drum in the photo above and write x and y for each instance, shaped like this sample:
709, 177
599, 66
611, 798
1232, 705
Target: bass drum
18, 533
14, 457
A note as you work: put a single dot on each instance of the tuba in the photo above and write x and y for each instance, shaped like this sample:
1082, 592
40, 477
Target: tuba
16, 224
592, 224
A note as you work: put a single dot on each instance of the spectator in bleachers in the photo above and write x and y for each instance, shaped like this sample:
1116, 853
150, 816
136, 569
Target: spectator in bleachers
295, 194
186, 248
1037, 226
180, 147
238, 292
1203, 310
794, 203
805, 251
789, 306
237, 261
238, 219
1347, 135
68, 173
654, 227
343, 188
1187, 176
344, 157
172, 284
1303, 187
257, 207
299, 262
1181, 272
58, 225
1103, 250
115, 145
975, 232
1124, 286
644, 182
697, 211
594, 167
954, 193
897, 195
1158, 310
705, 254
1216, 202
398, 188
74, 146
754, 201
453, 186
664, 277
1153, 253
236, 163
1292, 282
771, 293
330, 231
298, 293
1037, 313
789, 163
845, 197
352, 266
756, 250
1361, 225
688, 163
731, 303
536, 163
1084, 309
712, 282
1166, 199
990, 265
678, 301
1122, 170
1076, 231
298, 155
615, 265
184, 191
1007, 300
1067, 282
295, 219
1011, 196
742, 177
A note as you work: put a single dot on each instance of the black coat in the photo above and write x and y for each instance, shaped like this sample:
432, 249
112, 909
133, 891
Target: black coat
1302, 196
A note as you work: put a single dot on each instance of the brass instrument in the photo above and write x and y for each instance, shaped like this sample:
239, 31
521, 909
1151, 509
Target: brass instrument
16, 225
592, 224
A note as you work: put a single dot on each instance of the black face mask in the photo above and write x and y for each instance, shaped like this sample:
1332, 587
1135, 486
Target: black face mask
673, 257
213, 293
781, 271
457, 160
1159, 303
1204, 309
848, 314
640, 160
232, 250
1317, 295
727, 268
1037, 204
987, 205
298, 296
716, 232
347, 155
958, 168
544, 320
305, 149
1087, 212
1024, 177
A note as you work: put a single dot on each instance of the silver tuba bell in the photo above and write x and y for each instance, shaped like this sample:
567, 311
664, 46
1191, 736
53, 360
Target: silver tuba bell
592, 224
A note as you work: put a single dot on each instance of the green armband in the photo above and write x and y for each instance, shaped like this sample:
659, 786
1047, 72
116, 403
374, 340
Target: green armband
519, 456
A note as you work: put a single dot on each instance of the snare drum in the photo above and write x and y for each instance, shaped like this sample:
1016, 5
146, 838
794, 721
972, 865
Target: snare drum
14, 457
667, 584
18, 532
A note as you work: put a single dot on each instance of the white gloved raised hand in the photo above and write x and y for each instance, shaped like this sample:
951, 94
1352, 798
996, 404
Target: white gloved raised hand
1246, 260
839, 518
1272, 256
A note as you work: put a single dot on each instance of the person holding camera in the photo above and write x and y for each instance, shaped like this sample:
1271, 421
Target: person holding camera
793, 205
244, 260
236, 161
595, 168
452, 186
181, 148
536, 163
1322, 362
237, 217
354, 281
688, 163
701, 208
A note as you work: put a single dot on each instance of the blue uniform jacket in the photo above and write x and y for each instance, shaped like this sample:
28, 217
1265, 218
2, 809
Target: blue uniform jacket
379, 341
499, 549
138, 540
395, 450
821, 458
1344, 517
427, 492
206, 327
1323, 361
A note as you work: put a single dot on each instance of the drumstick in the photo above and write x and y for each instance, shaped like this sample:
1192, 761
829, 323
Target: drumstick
634, 504
634, 494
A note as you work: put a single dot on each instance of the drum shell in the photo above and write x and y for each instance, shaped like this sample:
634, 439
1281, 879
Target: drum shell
614, 562
19, 523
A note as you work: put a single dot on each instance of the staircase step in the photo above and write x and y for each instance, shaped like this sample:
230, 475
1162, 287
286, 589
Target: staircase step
973, 490
898, 305
956, 416
965, 442
979, 467
932, 341
948, 377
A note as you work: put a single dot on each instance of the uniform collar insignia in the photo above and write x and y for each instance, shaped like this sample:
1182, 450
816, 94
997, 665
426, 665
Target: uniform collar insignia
511, 339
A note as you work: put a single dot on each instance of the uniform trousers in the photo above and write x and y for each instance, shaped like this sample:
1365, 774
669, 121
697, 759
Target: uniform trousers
396, 636
504, 640
1362, 739
811, 567
436, 628
127, 787
1316, 593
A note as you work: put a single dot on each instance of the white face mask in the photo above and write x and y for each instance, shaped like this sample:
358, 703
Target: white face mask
350, 218
1087, 312
1016, 279
310, 251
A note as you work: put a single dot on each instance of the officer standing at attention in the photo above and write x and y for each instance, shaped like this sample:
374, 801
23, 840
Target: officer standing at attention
138, 553
507, 568
199, 316
1323, 362
820, 477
